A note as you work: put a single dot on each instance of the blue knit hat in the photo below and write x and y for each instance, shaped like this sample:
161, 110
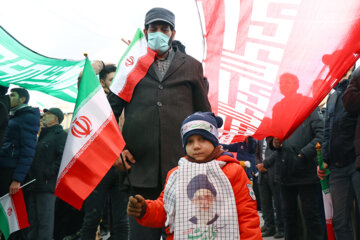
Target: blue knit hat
205, 124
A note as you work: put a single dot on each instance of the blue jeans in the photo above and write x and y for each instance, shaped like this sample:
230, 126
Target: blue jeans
94, 207
344, 185
41, 215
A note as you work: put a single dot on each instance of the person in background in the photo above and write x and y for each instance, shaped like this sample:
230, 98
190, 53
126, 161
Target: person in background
296, 159
18, 147
45, 167
351, 101
4, 111
246, 152
269, 191
339, 156
106, 75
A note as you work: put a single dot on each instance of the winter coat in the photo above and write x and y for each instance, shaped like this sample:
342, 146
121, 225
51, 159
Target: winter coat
245, 152
291, 169
248, 218
4, 111
46, 163
351, 101
268, 161
154, 115
338, 145
18, 148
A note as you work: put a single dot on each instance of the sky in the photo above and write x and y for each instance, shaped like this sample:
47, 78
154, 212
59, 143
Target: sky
69, 28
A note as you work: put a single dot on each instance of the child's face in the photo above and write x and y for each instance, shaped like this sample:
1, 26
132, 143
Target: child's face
198, 147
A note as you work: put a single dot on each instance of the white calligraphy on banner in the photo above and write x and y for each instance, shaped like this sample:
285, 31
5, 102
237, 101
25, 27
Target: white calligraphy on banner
256, 67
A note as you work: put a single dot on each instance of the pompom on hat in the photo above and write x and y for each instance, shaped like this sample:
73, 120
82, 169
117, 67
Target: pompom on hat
205, 124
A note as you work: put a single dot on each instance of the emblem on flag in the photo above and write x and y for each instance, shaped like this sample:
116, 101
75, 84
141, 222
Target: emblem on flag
9, 211
132, 67
13, 216
129, 61
92, 147
81, 127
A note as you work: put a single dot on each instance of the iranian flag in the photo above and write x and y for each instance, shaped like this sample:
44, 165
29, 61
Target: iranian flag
132, 67
270, 63
93, 144
328, 206
13, 216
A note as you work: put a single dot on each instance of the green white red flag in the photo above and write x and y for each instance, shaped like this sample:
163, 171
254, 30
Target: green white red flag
328, 206
93, 144
132, 67
13, 216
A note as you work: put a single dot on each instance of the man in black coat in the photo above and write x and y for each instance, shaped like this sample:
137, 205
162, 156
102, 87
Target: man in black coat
351, 100
269, 191
172, 89
339, 156
45, 167
296, 171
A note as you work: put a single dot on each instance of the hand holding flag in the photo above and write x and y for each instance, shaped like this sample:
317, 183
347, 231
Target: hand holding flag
13, 215
326, 195
93, 144
132, 66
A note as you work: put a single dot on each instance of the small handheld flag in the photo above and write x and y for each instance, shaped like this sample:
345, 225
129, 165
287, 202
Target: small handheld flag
326, 195
132, 67
93, 144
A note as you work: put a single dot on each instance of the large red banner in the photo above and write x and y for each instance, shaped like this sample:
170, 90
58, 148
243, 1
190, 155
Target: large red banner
271, 62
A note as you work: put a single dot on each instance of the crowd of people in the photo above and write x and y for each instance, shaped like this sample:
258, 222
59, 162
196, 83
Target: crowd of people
177, 180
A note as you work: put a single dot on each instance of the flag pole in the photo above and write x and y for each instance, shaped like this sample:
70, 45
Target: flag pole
20, 187
127, 176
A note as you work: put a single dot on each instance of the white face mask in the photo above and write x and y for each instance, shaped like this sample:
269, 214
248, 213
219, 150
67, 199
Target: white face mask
159, 42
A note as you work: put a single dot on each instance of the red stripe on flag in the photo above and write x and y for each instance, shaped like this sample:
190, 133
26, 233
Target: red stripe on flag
330, 231
20, 209
137, 74
86, 171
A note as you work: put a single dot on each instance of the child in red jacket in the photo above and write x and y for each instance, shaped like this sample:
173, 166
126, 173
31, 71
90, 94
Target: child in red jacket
208, 196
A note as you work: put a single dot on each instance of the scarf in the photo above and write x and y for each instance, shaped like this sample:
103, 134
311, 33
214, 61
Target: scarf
183, 196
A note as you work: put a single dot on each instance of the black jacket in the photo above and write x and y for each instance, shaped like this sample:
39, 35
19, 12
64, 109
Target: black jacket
4, 111
46, 163
292, 170
18, 147
338, 145
154, 115
269, 162
351, 101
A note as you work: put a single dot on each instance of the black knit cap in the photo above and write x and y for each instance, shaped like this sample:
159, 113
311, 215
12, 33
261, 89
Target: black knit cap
160, 14
205, 124
57, 112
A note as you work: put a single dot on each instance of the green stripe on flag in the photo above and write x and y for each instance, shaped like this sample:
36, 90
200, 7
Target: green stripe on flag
4, 224
89, 86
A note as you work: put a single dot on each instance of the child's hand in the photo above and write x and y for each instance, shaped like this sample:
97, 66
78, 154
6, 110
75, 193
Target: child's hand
136, 206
